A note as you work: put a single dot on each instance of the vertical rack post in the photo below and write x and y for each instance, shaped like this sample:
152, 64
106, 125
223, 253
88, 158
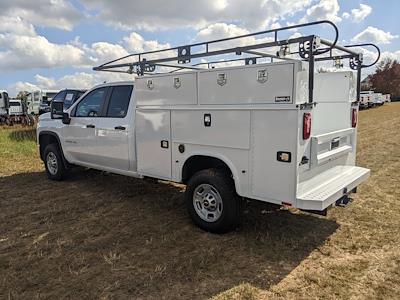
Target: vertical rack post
359, 66
311, 72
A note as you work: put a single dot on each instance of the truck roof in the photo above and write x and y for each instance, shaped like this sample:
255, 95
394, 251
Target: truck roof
115, 83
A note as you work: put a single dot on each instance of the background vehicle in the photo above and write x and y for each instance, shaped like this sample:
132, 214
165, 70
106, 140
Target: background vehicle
364, 101
370, 98
378, 99
276, 132
32, 104
386, 98
4, 107
43, 97
68, 97
18, 113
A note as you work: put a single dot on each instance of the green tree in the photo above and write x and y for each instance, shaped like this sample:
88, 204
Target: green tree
386, 78
22, 95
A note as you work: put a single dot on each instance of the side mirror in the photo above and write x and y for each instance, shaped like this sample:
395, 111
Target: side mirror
57, 110
66, 119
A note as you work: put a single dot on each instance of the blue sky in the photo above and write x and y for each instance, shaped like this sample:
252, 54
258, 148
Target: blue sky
52, 44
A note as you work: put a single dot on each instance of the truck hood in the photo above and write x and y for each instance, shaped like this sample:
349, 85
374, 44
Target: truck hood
45, 116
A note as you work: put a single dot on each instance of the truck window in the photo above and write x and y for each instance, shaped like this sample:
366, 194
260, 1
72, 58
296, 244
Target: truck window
119, 101
92, 104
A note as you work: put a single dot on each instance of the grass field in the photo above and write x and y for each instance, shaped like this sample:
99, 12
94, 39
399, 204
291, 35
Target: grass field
102, 236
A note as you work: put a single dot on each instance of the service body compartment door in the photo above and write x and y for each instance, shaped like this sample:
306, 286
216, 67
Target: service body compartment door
273, 134
153, 139
256, 84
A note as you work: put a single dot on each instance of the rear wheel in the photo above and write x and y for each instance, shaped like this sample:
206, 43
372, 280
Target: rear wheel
212, 201
53, 162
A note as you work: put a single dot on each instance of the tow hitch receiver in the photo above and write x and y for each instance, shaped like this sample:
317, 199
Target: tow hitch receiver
343, 201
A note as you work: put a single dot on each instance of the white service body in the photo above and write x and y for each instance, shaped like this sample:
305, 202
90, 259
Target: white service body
248, 117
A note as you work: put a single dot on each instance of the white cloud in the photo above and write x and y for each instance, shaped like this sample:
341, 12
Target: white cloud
45, 82
374, 35
391, 55
27, 52
16, 25
49, 13
101, 52
358, 14
161, 15
79, 80
21, 86
22, 52
222, 30
324, 10
219, 31
136, 43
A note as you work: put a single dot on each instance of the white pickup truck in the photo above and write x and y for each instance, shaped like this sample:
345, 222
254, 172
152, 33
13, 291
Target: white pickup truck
259, 131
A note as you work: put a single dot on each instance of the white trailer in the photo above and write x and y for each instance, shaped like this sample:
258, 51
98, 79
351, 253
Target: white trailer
276, 132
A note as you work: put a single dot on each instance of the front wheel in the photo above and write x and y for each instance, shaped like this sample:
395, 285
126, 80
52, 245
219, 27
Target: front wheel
53, 163
212, 202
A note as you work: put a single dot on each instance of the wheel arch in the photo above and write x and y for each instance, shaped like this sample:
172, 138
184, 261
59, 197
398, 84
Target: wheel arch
48, 137
198, 162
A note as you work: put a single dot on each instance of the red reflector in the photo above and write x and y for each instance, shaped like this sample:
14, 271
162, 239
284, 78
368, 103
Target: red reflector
286, 203
354, 117
306, 126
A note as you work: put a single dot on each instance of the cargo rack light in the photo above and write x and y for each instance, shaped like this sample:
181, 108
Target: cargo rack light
310, 49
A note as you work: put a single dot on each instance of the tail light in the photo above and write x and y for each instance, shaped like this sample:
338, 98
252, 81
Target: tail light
354, 117
306, 126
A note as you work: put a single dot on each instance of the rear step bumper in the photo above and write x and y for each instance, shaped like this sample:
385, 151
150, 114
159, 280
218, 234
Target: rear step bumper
326, 188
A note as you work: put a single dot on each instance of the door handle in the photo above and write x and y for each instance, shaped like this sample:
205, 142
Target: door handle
119, 128
90, 126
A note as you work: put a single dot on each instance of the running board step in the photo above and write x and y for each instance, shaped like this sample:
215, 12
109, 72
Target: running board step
326, 188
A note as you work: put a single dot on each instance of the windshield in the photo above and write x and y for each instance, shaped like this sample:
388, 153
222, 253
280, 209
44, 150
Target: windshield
71, 97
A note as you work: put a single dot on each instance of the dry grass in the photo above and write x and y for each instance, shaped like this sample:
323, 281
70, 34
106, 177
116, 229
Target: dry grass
104, 236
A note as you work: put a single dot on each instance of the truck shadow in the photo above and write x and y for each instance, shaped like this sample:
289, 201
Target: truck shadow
101, 235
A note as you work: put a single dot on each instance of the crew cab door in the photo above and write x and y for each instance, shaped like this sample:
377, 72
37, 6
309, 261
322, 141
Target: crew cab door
79, 137
114, 131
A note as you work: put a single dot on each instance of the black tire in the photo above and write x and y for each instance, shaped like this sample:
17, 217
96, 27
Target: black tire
52, 152
219, 180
